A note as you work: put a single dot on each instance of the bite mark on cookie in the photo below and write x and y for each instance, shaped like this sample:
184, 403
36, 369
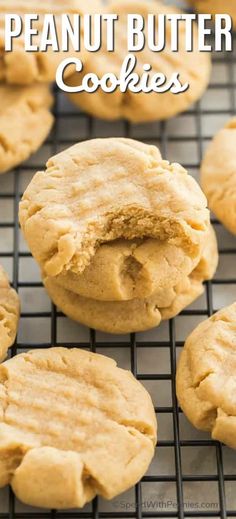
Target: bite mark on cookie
123, 190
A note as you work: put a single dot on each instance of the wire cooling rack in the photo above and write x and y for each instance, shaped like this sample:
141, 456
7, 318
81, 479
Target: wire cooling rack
191, 475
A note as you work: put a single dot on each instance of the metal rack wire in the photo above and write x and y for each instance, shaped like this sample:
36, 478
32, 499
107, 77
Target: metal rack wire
182, 487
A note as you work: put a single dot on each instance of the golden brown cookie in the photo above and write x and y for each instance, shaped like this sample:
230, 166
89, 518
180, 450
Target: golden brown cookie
72, 426
138, 314
25, 122
123, 270
25, 68
193, 67
9, 314
102, 190
218, 175
206, 376
215, 7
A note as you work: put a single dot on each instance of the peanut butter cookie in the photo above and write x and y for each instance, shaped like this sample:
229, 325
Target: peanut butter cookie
72, 426
25, 122
9, 314
24, 68
123, 270
136, 315
107, 189
194, 68
218, 175
206, 376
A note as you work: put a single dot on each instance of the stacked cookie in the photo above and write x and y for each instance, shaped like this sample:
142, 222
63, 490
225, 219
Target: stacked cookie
122, 236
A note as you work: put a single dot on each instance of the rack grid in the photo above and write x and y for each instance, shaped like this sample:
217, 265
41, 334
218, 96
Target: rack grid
191, 476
